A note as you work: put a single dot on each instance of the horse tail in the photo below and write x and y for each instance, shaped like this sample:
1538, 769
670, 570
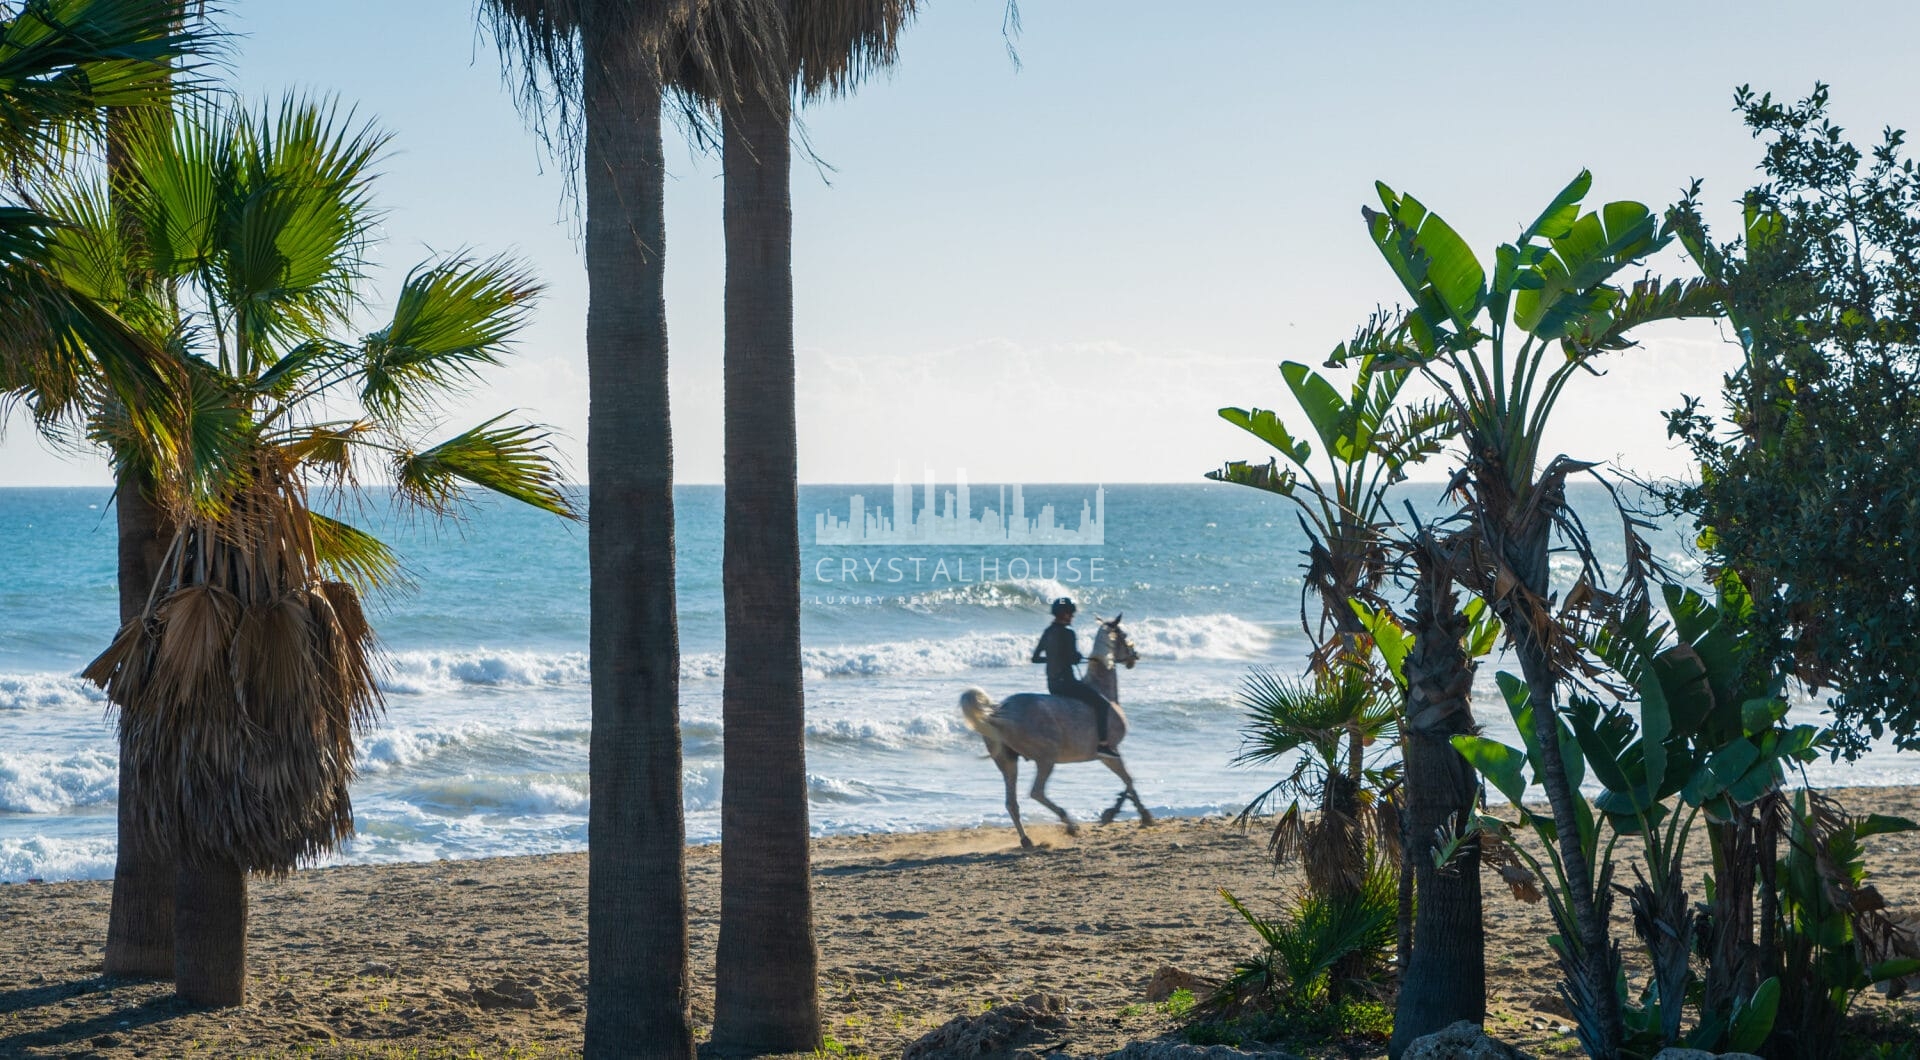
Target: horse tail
977, 708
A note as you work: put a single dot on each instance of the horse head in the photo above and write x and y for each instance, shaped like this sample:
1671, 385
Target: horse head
1111, 645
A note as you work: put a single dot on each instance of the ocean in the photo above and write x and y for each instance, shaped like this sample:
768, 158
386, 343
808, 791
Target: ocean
483, 747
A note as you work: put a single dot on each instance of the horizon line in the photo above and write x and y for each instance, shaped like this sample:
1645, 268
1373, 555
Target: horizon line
1440, 480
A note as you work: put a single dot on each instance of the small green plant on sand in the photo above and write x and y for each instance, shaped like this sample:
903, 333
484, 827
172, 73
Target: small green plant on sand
1316, 937
1180, 1004
1316, 973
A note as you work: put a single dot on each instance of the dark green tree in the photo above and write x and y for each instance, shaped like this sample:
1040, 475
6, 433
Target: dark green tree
245, 676
1806, 488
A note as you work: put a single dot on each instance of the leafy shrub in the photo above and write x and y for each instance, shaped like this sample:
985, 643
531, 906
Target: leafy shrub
1295, 970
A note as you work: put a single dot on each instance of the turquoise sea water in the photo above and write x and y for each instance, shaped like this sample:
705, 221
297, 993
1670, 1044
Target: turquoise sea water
483, 748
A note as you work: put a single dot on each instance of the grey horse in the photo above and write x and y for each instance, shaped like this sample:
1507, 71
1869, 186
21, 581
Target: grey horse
1053, 729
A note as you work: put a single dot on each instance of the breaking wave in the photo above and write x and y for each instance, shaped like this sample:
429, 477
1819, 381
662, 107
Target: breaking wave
47, 691
32, 782
1218, 636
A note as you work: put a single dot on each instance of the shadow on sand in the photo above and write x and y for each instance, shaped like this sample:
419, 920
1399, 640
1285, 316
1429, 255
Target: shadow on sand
931, 861
125, 1018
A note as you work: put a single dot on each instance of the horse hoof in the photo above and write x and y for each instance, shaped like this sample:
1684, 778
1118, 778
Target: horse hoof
1025, 843
1145, 818
1073, 829
1108, 816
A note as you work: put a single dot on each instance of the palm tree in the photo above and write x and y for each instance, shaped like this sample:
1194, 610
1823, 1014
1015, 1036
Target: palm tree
1502, 347
1443, 976
140, 918
64, 64
239, 240
754, 58
591, 77
1368, 442
74, 70
1319, 722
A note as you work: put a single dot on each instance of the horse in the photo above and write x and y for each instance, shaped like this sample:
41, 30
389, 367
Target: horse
1050, 730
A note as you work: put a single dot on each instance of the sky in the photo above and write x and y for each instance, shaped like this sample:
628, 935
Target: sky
1059, 269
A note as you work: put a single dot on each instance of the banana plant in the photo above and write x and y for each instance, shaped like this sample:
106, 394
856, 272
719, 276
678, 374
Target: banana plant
1696, 746
1835, 936
1502, 343
1367, 441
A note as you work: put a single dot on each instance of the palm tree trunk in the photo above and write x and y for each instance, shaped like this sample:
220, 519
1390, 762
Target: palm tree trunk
1596, 956
1444, 979
140, 920
637, 983
766, 994
210, 941
1733, 966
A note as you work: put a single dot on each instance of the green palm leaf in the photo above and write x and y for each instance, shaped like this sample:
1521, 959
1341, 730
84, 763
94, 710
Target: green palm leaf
1284, 714
514, 461
353, 555
451, 318
63, 61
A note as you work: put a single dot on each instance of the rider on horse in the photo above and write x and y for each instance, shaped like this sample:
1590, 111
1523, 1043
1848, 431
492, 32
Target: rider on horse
1059, 649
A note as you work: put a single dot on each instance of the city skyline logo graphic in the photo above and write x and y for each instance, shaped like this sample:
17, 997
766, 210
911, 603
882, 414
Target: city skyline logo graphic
951, 521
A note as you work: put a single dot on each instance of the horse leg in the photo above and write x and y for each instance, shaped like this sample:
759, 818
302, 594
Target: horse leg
1119, 768
1009, 764
1043, 768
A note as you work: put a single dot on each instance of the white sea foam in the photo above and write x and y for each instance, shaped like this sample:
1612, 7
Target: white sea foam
47, 691
388, 749
1216, 636
1033, 593
425, 672
700, 787
50, 858
33, 782
924, 730
1183, 637
1198, 637
524, 795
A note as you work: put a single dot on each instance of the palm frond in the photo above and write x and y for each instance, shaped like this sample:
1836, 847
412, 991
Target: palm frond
296, 217
1283, 714
62, 350
1387, 342
451, 318
541, 58
514, 461
62, 62
834, 47
1314, 935
186, 168
1412, 433
354, 556
242, 689
326, 448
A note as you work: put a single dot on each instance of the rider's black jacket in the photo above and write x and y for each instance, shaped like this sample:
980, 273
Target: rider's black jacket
1059, 651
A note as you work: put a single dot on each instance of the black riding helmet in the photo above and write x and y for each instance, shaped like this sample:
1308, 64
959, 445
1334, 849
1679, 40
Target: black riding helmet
1064, 605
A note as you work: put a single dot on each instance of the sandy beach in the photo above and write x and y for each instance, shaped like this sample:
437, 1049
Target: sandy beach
489, 955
